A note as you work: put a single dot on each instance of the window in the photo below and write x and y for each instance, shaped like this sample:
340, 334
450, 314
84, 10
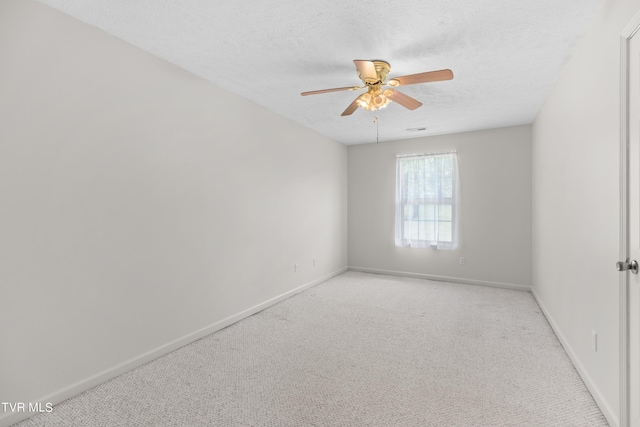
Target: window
427, 200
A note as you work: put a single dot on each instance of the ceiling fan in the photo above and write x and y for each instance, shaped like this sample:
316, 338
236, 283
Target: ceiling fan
373, 74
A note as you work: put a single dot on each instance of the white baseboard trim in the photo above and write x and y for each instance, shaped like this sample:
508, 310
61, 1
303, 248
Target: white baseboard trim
61, 395
443, 278
611, 416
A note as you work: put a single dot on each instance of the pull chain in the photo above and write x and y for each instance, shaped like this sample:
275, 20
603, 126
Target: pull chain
375, 120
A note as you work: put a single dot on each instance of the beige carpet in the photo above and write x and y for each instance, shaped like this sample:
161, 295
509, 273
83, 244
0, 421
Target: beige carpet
357, 350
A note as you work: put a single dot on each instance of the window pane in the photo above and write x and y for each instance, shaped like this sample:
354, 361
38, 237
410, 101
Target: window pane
423, 230
429, 230
408, 211
410, 230
447, 187
447, 166
444, 212
427, 212
444, 229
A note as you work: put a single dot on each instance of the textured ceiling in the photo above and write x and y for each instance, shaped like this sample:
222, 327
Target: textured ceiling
505, 54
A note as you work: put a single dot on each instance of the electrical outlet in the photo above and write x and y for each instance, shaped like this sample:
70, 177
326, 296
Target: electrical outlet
461, 260
594, 340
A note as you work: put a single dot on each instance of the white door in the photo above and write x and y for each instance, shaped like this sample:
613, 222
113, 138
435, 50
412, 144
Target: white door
630, 310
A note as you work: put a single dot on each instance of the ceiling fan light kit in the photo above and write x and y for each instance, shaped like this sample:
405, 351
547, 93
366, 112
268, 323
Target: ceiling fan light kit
374, 99
373, 74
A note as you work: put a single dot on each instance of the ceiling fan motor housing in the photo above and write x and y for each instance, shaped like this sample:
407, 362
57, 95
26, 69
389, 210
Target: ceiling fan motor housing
382, 70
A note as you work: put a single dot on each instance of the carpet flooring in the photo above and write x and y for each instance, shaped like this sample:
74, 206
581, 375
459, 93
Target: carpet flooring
357, 350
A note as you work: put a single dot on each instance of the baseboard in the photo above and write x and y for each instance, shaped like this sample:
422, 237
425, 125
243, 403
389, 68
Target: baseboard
59, 396
443, 278
611, 416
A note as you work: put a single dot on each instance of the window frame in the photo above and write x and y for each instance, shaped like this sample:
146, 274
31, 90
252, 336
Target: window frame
433, 238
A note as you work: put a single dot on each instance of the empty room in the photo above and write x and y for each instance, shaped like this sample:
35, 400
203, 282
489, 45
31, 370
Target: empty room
393, 213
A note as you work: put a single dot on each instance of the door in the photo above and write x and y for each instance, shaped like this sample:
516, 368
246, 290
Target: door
633, 280
630, 227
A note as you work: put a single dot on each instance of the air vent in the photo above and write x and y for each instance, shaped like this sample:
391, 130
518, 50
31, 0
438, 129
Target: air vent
416, 129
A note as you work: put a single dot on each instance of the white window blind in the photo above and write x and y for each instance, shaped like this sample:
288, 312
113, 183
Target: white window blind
427, 201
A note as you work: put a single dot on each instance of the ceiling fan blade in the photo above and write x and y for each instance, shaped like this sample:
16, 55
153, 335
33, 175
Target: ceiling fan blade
366, 71
351, 108
429, 76
335, 89
405, 100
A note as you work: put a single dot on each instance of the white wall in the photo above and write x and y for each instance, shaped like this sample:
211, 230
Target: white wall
140, 204
495, 179
575, 201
